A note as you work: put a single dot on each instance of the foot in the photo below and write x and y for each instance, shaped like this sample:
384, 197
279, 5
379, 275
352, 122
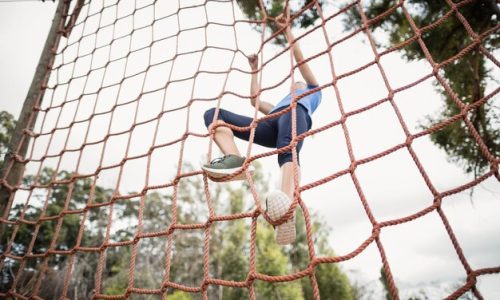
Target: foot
277, 204
226, 165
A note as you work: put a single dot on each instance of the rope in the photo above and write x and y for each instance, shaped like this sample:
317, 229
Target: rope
81, 19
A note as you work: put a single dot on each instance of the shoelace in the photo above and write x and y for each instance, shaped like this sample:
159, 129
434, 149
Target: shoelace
218, 160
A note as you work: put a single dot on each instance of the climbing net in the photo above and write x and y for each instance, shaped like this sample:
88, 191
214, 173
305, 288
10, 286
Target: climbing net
88, 31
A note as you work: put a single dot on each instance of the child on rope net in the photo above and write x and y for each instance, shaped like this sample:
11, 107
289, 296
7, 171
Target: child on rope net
274, 133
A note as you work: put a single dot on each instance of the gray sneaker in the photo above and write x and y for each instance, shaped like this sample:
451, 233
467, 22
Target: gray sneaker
226, 165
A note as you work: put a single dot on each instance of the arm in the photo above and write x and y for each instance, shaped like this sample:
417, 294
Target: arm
304, 69
264, 107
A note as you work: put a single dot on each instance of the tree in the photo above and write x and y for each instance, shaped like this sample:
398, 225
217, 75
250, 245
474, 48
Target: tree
7, 126
467, 75
273, 259
229, 247
55, 197
385, 284
150, 264
253, 11
332, 282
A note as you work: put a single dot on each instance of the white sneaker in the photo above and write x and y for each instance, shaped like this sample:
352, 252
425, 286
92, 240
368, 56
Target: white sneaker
277, 204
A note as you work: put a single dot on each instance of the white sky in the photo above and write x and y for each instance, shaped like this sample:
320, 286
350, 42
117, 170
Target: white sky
420, 252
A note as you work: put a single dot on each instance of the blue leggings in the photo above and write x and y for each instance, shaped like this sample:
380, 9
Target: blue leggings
272, 133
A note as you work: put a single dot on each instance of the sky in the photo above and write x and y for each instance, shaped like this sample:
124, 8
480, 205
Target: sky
392, 185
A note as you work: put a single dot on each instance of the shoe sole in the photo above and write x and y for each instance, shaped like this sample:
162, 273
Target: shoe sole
220, 173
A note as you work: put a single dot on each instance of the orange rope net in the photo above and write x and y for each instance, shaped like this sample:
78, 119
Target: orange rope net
45, 106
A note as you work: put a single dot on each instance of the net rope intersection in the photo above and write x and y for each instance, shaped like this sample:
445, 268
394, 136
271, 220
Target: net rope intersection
253, 275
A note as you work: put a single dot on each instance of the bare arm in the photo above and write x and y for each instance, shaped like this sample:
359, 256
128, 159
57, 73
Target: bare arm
304, 69
264, 107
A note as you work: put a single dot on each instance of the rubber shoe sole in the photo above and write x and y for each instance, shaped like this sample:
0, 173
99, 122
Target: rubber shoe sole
277, 204
219, 173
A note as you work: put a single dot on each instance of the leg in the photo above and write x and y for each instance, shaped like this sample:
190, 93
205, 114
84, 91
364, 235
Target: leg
284, 138
278, 202
287, 184
232, 161
224, 138
265, 133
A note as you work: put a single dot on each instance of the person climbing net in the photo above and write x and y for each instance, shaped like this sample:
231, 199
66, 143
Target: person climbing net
81, 118
273, 132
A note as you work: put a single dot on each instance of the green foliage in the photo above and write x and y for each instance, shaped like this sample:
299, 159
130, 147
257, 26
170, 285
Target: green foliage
7, 126
271, 260
72, 196
231, 257
466, 75
253, 11
117, 266
332, 282
180, 295
56, 199
229, 245
385, 284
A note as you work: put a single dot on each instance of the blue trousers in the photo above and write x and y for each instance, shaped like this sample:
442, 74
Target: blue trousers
272, 133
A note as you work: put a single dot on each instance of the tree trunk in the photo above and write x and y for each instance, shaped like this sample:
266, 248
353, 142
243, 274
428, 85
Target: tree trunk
12, 170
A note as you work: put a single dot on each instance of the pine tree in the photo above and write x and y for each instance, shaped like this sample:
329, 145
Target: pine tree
467, 75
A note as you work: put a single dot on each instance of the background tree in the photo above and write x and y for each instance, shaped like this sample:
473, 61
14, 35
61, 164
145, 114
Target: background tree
252, 10
332, 281
229, 247
7, 126
385, 284
273, 259
55, 197
467, 76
